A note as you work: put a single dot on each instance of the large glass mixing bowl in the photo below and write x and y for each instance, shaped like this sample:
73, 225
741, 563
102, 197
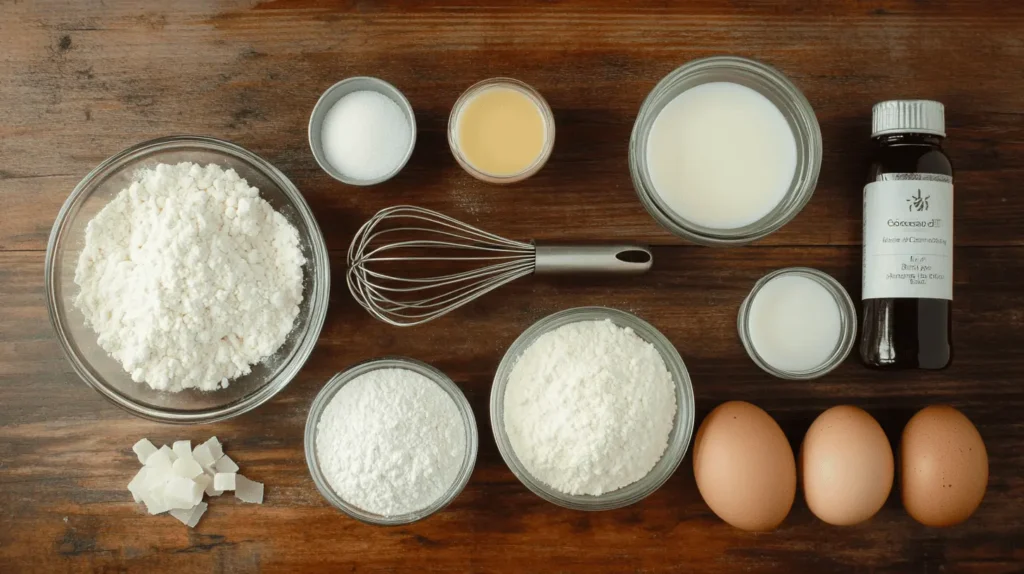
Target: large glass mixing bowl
79, 341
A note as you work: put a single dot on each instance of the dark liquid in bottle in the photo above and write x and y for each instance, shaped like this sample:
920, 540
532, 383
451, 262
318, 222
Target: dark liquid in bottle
902, 333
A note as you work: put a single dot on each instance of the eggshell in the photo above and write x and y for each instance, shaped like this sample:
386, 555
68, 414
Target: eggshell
744, 466
846, 465
943, 466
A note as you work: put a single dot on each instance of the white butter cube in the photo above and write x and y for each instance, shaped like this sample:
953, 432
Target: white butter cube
169, 452
173, 479
225, 464
248, 490
216, 449
143, 449
209, 469
159, 461
182, 448
187, 468
203, 480
183, 515
224, 481
157, 477
189, 517
203, 455
155, 505
197, 514
206, 481
180, 492
155, 501
137, 486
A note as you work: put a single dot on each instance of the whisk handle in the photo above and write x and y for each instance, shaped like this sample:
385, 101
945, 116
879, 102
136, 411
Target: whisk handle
619, 259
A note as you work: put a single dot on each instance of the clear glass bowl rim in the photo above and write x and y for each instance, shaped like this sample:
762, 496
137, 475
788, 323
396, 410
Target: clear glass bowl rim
805, 180
679, 437
323, 398
319, 291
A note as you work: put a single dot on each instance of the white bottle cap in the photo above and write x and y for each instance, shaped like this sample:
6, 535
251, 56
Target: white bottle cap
908, 116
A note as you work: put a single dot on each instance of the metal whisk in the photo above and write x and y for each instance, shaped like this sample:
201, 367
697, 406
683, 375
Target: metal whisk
397, 241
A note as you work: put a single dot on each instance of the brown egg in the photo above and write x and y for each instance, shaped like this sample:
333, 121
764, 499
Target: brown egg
846, 465
943, 466
744, 466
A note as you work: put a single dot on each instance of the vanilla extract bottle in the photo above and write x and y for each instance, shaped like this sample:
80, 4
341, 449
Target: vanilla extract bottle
907, 274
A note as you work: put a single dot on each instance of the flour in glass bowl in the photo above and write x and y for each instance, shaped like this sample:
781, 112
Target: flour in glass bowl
391, 442
589, 407
189, 278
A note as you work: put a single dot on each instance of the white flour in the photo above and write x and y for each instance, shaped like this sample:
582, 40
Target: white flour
391, 442
589, 407
189, 277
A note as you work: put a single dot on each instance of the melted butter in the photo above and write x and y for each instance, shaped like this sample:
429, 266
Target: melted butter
501, 131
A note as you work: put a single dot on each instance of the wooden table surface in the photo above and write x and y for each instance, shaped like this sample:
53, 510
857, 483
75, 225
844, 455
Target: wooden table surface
79, 81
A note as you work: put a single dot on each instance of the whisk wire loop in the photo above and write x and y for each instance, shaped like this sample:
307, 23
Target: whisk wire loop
422, 237
398, 242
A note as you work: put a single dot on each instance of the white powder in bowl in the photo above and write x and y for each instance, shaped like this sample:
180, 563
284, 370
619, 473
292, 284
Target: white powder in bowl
188, 277
589, 407
365, 135
391, 442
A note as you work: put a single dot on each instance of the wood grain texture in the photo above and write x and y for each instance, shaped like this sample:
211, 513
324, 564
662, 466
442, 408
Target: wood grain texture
80, 81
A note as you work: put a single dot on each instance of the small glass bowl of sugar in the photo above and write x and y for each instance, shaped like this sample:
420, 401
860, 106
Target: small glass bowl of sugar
362, 131
798, 323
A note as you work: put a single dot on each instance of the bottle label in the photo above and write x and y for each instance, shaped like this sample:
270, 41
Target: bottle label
908, 237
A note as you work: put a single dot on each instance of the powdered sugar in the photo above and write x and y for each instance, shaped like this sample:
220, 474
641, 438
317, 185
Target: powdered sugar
188, 277
589, 407
391, 442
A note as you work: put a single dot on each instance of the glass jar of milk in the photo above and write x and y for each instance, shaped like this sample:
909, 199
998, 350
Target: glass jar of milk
725, 151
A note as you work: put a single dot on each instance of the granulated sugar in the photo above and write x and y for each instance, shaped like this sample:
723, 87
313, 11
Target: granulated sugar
365, 135
391, 442
589, 407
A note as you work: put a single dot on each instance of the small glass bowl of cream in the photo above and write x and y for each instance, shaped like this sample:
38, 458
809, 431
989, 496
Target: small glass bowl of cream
798, 323
501, 130
725, 151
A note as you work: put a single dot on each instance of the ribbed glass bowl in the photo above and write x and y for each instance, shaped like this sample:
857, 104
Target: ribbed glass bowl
103, 373
678, 439
340, 380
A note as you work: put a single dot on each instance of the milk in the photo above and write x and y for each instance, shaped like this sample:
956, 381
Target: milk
721, 155
794, 323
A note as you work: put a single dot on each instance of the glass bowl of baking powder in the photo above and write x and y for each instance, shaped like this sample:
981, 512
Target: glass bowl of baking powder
79, 341
470, 438
678, 438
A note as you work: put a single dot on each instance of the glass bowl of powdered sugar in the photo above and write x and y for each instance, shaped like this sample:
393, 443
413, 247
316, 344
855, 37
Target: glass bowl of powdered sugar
391, 441
592, 408
200, 292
